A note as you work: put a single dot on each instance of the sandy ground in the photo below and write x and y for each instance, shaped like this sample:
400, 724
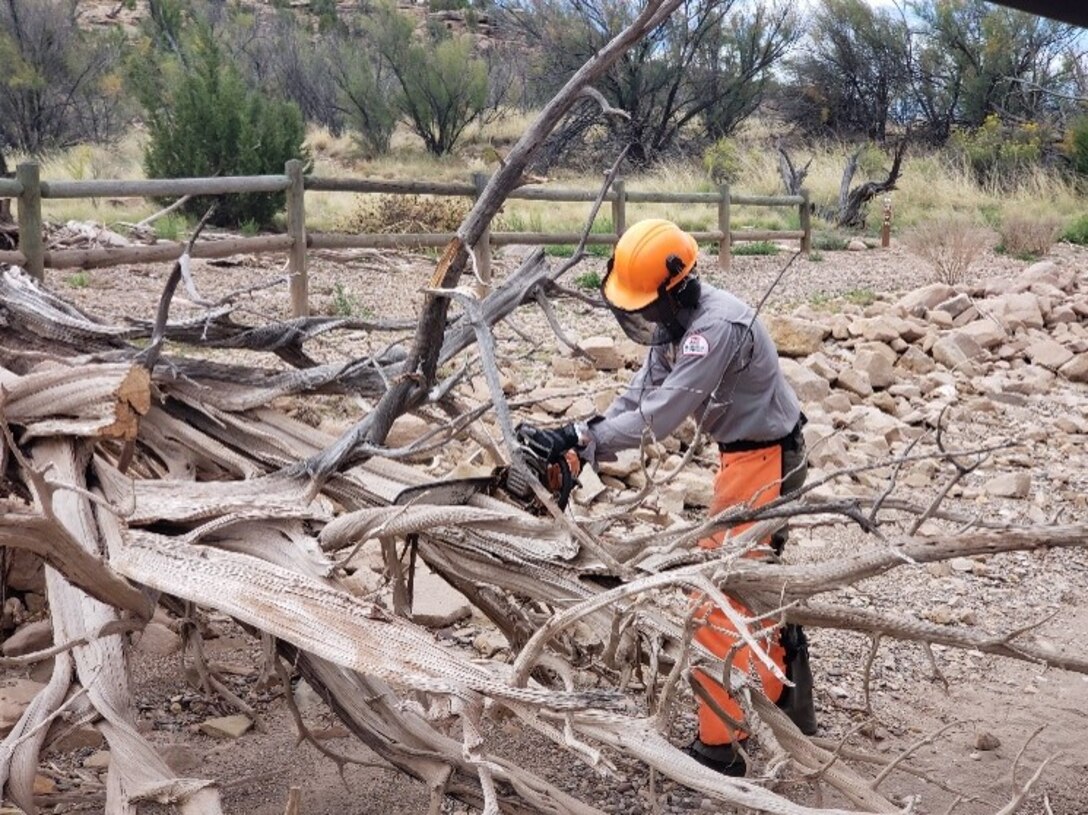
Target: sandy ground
983, 695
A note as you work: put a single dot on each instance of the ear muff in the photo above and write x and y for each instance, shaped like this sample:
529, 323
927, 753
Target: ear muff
675, 265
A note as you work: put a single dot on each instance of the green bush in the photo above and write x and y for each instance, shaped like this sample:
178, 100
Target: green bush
828, 242
722, 162
591, 281
1076, 145
998, 153
206, 122
1077, 232
756, 248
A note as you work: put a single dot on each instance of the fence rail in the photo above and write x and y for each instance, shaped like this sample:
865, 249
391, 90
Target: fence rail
29, 190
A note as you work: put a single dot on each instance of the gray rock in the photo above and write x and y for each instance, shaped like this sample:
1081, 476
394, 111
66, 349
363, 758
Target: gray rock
876, 367
855, 382
181, 758
436, 603
1009, 485
822, 366
941, 319
837, 402
15, 696
1018, 310
1048, 353
28, 639
226, 727
589, 487
80, 738
916, 361
25, 571
795, 337
99, 760
954, 306
954, 350
1076, 369
806, 383
627, 462
986, 333
603, 353
856, 245
158, 640
919, 301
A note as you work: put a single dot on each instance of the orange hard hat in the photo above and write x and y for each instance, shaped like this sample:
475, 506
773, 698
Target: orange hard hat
649, 254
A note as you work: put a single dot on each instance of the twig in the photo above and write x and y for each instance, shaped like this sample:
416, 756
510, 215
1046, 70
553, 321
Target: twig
1020, 753
305, 734
899, 759
869, 671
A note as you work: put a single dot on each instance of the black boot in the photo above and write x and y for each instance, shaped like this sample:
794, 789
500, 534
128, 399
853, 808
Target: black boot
722, 758
796, 702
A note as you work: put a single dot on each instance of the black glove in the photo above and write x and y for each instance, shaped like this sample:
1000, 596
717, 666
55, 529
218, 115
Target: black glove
549, 445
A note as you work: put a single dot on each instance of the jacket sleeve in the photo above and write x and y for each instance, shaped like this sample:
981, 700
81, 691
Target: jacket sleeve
658, 407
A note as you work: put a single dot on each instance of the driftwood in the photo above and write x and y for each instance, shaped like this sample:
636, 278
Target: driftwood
249, 536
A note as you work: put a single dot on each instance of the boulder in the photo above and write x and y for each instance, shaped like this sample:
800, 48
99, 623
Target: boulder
855, 381
407, 429
82, 737
1048, 353
435, 602
795, 337
25, 571
806, 383
986, 333
15, 696
627, 462
837, 402
158, 640
941, 319
856, 245
603, 352
876, 367
698, 488
1076, 369
98, 760
226, 727
1009, 485
822, 366
956, 349
31, 637
916, 361
1018, 310
589, 487
885, 328
181, 758
919, 301
954, 306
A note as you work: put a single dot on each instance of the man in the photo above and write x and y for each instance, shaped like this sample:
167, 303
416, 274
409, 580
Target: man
709, 358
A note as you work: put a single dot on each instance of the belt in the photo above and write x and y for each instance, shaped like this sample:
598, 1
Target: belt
792, 441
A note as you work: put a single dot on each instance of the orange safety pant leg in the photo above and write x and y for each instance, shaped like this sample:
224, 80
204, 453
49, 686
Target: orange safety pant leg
751, 477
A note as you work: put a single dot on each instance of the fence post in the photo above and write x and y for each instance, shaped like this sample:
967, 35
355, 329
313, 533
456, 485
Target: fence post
619, 207
725, 246
296, 228
806, 224
30, 219
483, 246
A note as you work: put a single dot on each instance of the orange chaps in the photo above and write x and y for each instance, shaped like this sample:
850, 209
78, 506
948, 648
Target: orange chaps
753, 478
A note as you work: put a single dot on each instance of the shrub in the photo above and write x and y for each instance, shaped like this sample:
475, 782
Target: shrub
591, 281
1077, 232
756, 248
1025, 237
1076, 145
999, 153
949, 246
409, 213
722, 162
829, 242
206, 122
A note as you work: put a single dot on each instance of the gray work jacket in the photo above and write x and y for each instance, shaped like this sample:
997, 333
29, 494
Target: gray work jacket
723, 371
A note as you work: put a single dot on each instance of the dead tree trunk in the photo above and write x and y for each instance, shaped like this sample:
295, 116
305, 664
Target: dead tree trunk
852, 202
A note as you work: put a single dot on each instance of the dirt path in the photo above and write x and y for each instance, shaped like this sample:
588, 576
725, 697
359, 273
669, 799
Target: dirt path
1001, 698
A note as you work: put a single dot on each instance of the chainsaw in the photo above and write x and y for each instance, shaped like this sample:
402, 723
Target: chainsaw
558, 477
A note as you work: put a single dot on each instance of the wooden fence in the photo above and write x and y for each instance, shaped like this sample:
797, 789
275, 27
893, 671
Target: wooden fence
29, 190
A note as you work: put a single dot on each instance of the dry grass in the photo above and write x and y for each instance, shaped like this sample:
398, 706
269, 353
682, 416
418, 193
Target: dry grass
948, 245
399, 214
1023, 236
932, 187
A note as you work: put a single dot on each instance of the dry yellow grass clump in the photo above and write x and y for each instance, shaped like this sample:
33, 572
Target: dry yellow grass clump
934, 187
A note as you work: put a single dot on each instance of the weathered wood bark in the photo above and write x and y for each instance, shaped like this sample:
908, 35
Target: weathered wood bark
852, 201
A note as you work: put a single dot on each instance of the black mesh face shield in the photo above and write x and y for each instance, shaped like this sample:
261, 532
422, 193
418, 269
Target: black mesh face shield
662, 321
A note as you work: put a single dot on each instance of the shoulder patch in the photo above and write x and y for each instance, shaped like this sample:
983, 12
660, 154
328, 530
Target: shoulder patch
695, 345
